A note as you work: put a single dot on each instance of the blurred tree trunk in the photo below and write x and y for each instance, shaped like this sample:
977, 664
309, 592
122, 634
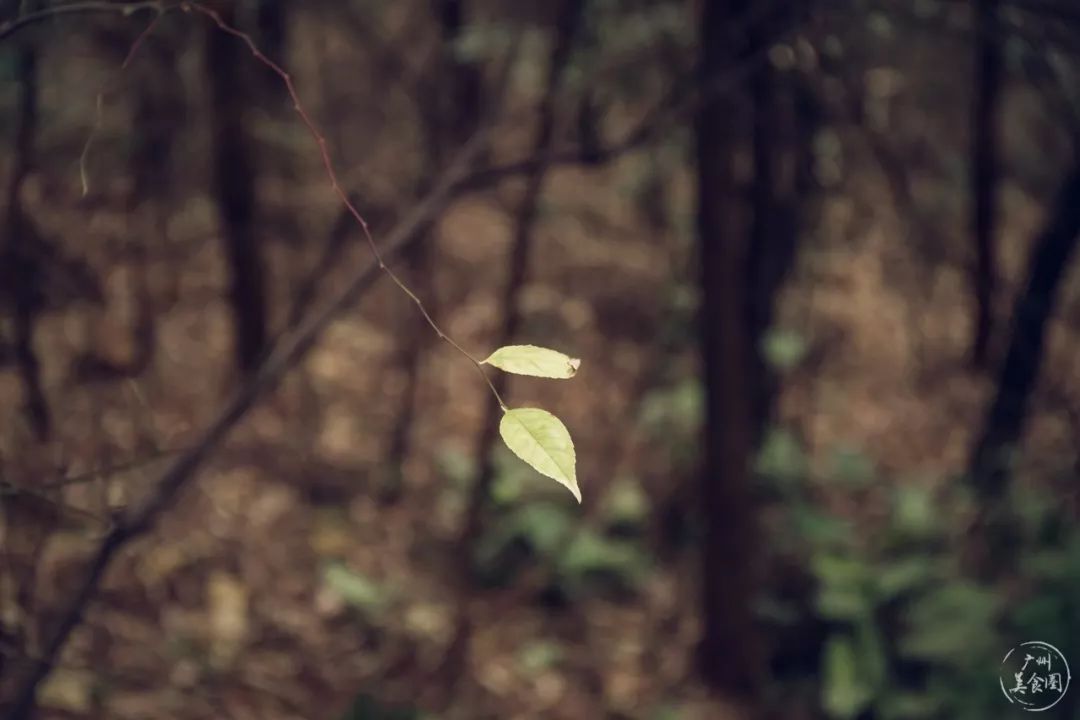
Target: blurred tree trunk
159, 110
449, 118
234, 185
781, 148
19, 260
759, 296
1002, 428
462, 104
984, 173
730, 655
271, 20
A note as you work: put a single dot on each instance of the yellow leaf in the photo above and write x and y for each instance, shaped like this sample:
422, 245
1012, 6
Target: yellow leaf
535, 361
540, 439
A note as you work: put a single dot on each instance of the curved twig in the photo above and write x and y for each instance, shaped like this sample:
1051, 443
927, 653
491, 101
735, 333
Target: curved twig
80, 8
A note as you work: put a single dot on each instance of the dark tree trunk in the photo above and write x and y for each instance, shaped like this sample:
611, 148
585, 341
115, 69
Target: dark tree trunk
271, 19
462, 106
234, 184
21, 260
984, 174
730, 655
1003, 426
159, 110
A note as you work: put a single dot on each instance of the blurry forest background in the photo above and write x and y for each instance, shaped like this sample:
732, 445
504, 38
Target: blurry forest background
817, 258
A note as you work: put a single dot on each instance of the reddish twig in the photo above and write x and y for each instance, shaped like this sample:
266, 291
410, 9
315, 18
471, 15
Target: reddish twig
77, 8
101, 99
335, 184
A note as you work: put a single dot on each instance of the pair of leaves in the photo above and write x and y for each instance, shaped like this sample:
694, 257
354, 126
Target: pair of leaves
534, 435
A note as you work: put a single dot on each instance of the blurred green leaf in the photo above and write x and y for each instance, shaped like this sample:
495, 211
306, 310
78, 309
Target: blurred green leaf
911, 706
840, 603
838, 570
950, 622
781, 459
819, 529
872, 653
355, 589
904, 575
851, 468
538, 528
914, 513
543, 525
670, 409
1044, 616
626, 505
478, 41
666, 711
842, 594
783, 349
845, 693
367, 707
539, 655
456, 465
591, 556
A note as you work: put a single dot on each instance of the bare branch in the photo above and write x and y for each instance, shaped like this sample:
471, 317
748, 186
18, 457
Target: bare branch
80, 8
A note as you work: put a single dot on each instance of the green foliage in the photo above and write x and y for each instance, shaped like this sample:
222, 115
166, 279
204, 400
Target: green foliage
367, 707
909, 634
780, 460
846, 692
677, 408
539, 655
573, 559
783, 349
483, 41
665, 711
592, 559
671, 416
358, 591
851, 468
626, 507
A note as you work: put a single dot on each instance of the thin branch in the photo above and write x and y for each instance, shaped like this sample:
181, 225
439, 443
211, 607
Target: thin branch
12, 26
335, 184
99, 101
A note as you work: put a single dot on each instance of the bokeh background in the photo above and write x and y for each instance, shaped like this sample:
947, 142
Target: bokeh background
817, 259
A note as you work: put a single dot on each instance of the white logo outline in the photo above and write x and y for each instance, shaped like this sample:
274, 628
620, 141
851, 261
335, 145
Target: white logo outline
1045, 646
